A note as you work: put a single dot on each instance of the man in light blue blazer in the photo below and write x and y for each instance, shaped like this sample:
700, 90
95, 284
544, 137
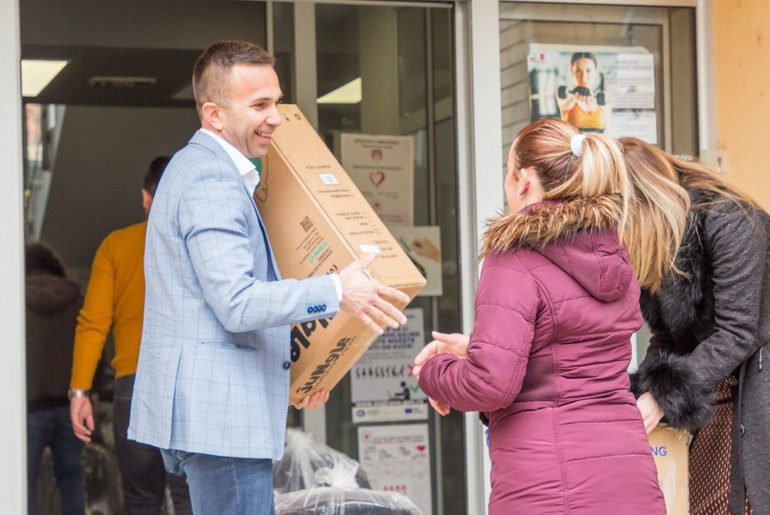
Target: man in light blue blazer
212, 381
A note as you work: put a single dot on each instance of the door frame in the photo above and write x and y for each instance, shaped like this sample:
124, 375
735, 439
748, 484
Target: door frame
477, 108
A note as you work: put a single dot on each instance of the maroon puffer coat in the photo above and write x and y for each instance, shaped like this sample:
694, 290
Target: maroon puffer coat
547, 363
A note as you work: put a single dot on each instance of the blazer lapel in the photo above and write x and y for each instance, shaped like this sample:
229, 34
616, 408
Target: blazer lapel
201, 138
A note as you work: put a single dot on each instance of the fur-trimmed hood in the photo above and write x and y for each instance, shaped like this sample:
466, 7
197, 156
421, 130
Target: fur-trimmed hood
550, 221
579, 236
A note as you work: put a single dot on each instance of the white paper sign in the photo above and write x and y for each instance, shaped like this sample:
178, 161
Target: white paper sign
382, 167
642, 124
397, 458
633, 84
381, 387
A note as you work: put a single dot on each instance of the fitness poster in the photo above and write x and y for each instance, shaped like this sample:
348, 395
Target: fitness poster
601, 89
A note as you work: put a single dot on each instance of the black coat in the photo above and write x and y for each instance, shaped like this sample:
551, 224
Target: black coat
712, 324
53, 303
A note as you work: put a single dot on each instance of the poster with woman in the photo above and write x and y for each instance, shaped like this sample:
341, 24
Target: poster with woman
597, 89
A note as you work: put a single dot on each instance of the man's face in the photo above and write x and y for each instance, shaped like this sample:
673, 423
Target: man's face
584, 71
250, 114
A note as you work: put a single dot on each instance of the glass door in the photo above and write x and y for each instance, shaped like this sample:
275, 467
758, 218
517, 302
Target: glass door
643, 62
381, 89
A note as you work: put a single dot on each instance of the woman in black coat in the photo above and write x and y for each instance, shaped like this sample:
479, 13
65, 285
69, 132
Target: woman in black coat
701, 251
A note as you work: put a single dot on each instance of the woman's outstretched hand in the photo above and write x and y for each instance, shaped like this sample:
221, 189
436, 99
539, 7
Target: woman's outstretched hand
442, 343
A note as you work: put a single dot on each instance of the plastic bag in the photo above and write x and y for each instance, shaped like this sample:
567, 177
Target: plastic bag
340, 501
302, 458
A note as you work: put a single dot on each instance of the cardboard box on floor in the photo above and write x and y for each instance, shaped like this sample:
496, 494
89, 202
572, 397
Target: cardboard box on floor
671, 450
318, 223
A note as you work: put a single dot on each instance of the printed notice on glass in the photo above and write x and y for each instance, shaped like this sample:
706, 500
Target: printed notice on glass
633, 84
423, 246
382, 167
396, 458
381, 387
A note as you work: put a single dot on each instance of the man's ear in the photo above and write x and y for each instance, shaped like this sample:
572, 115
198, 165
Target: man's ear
211, 114
146, 201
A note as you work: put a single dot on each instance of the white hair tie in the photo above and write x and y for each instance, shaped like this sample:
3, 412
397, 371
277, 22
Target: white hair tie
576, 144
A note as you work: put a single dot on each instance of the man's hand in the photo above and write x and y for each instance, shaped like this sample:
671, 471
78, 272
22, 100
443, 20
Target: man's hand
365, 298
313, 401
442, 343
82, 418
651, 412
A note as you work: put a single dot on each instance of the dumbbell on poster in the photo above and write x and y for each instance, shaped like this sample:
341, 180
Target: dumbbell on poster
581, 91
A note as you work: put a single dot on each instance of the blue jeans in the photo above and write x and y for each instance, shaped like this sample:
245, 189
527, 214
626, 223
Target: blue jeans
52, 428
221, 485
142, 472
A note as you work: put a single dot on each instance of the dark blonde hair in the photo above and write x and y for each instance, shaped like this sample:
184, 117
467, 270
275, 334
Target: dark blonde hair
212, 69
544, 145
661, 203
658, 212
694, 175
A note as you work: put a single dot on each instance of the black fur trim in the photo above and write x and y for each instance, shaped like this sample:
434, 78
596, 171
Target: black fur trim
685, 401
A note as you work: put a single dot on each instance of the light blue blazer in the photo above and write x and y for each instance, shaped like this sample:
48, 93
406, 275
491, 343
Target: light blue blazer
213, 371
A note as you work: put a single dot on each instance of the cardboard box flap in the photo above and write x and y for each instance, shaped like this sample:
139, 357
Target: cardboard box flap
337, 195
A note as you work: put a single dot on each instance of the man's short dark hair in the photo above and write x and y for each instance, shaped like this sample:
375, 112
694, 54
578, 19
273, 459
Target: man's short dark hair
39, 258
152, 177
213, 68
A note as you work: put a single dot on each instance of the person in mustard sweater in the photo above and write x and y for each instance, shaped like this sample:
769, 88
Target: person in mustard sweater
115, 299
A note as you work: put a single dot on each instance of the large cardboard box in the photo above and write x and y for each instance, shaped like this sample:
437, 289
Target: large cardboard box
671, 450
318, 223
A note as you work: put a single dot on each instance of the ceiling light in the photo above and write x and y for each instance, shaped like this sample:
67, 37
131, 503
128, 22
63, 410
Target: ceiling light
36, 74
350, 93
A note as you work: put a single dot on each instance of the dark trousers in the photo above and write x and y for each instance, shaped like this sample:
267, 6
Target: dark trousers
141, 466
52, 428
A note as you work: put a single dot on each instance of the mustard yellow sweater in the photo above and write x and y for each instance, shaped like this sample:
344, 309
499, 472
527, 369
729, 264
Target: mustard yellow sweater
114, 298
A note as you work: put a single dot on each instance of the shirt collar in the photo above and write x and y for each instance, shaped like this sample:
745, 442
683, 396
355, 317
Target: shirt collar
242, 163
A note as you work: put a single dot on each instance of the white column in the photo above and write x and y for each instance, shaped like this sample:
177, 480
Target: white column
13, 443
707, 102
305, 55
480, 165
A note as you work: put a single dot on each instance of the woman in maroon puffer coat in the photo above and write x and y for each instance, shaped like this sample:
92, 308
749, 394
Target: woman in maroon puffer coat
547, 361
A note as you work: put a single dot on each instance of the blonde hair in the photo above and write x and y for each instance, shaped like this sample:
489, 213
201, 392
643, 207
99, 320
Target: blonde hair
694, 175
661, 203
658, 215
544, 145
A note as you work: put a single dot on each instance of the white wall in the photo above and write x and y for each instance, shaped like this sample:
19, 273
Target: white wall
12, 430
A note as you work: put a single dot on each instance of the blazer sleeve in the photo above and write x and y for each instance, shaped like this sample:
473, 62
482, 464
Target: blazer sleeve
214, 217
491, 376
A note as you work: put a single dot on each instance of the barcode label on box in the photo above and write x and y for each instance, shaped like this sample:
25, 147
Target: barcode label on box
328, 179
